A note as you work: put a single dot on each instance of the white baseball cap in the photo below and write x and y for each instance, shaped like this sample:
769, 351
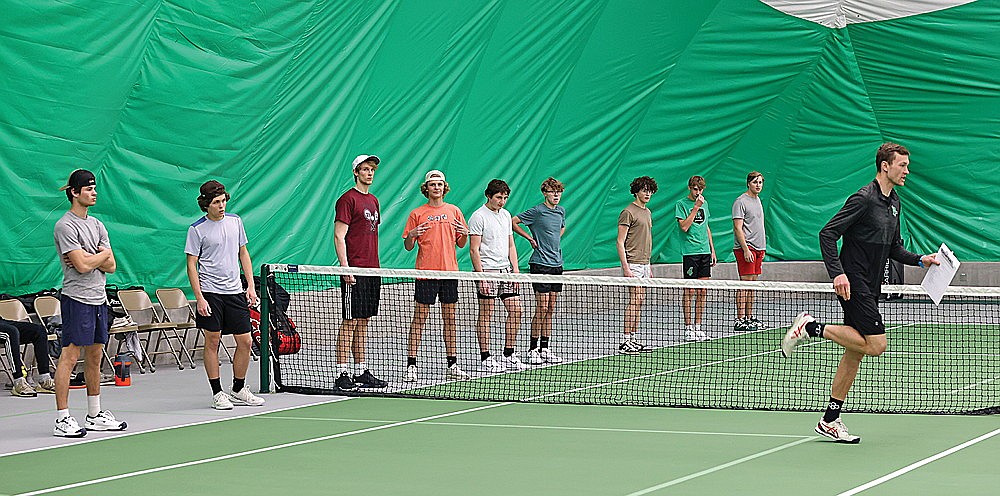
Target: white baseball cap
434, 175
362, 158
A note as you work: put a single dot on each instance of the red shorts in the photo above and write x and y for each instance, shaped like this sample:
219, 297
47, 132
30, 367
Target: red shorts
749, 268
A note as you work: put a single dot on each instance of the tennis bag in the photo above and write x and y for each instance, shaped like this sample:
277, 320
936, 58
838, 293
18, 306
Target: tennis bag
285, 339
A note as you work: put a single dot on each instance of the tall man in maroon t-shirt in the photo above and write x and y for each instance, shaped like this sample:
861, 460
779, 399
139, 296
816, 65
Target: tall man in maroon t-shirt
356, 239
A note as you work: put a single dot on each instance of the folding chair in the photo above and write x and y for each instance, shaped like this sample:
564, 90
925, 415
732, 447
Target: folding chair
177, 311
6, 358
139, 308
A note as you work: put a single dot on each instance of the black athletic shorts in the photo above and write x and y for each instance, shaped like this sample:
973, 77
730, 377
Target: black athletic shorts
697, 266
426, 291
861, 311
545, 287
230, 314
360, 300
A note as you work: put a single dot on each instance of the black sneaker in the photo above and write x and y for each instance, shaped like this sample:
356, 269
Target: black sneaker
344, 383
367, 380
77, 381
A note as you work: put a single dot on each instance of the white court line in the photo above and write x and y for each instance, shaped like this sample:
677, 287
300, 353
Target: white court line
77, 442
721, 467
547, 427
254, 451
915, 465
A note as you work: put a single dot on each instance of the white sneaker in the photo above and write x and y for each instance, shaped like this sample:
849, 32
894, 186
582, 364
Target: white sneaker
837, 431
105, 421
491, 365
701, 335
67, 427
796, 333
548, 356
411, 374
245, 398
535, 357
628, 347
456, 373
514, 363
690, 334
222, 401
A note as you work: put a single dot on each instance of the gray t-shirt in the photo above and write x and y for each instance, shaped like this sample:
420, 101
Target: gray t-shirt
546, 226
751, 211
73, 233
217, 246
495, 229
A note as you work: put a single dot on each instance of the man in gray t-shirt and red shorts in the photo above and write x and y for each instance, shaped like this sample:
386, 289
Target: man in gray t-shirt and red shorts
216, 249
750, 244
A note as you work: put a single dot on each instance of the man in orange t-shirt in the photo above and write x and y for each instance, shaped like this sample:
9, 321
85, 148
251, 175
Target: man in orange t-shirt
436, 229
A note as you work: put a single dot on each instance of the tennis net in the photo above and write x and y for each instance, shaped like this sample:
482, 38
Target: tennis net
941, 358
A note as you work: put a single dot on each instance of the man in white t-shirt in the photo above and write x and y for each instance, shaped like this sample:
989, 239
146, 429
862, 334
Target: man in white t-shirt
216, 250
491, 247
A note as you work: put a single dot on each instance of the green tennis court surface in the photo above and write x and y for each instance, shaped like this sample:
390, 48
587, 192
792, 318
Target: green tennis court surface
406, 446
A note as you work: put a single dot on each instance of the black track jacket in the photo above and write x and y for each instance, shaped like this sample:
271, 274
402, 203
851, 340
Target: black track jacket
869, 224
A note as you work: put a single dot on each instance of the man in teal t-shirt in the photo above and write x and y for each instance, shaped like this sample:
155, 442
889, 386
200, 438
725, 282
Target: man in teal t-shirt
698, 252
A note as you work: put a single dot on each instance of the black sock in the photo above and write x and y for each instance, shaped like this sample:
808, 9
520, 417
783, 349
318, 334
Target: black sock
815, 329
216, 385
508, 352
545, 342
452, 360
483, 355
833, 410
534, 343
411, 361
238, 384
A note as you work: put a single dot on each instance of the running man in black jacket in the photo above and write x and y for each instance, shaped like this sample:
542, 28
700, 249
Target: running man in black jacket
869, 224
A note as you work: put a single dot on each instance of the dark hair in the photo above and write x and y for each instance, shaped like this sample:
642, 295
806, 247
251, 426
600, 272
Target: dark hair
887, 152
496, 186
423, 189
70, 191
643, 183
552, 184
753, 175
209, 191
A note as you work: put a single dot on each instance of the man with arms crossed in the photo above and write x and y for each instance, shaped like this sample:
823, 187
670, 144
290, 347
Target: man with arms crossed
547, 222
356, 240
748, 229
698, 253
86, 257
869, 225
435, 228
635, 248
491, 247
216, 250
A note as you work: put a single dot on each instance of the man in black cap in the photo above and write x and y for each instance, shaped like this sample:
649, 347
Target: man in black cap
86, 257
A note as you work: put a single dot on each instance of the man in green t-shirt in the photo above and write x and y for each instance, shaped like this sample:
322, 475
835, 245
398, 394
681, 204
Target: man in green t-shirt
698, 252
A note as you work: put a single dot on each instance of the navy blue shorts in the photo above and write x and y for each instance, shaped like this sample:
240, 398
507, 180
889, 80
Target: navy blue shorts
83, 324
230, 314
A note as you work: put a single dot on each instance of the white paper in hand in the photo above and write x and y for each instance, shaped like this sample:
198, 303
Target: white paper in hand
938, 277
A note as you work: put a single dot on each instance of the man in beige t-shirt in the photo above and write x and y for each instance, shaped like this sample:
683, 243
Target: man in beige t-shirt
635, 246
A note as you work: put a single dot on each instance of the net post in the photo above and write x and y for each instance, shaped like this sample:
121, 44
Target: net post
265, 327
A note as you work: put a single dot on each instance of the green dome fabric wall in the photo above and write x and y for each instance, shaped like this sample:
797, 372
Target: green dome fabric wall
274, 99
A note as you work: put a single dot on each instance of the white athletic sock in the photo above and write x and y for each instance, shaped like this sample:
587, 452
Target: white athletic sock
44, 377
93, 405
61, 414
360, 368
342, 368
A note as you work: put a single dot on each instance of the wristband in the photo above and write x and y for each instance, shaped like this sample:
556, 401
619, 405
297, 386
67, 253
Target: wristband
920, 262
